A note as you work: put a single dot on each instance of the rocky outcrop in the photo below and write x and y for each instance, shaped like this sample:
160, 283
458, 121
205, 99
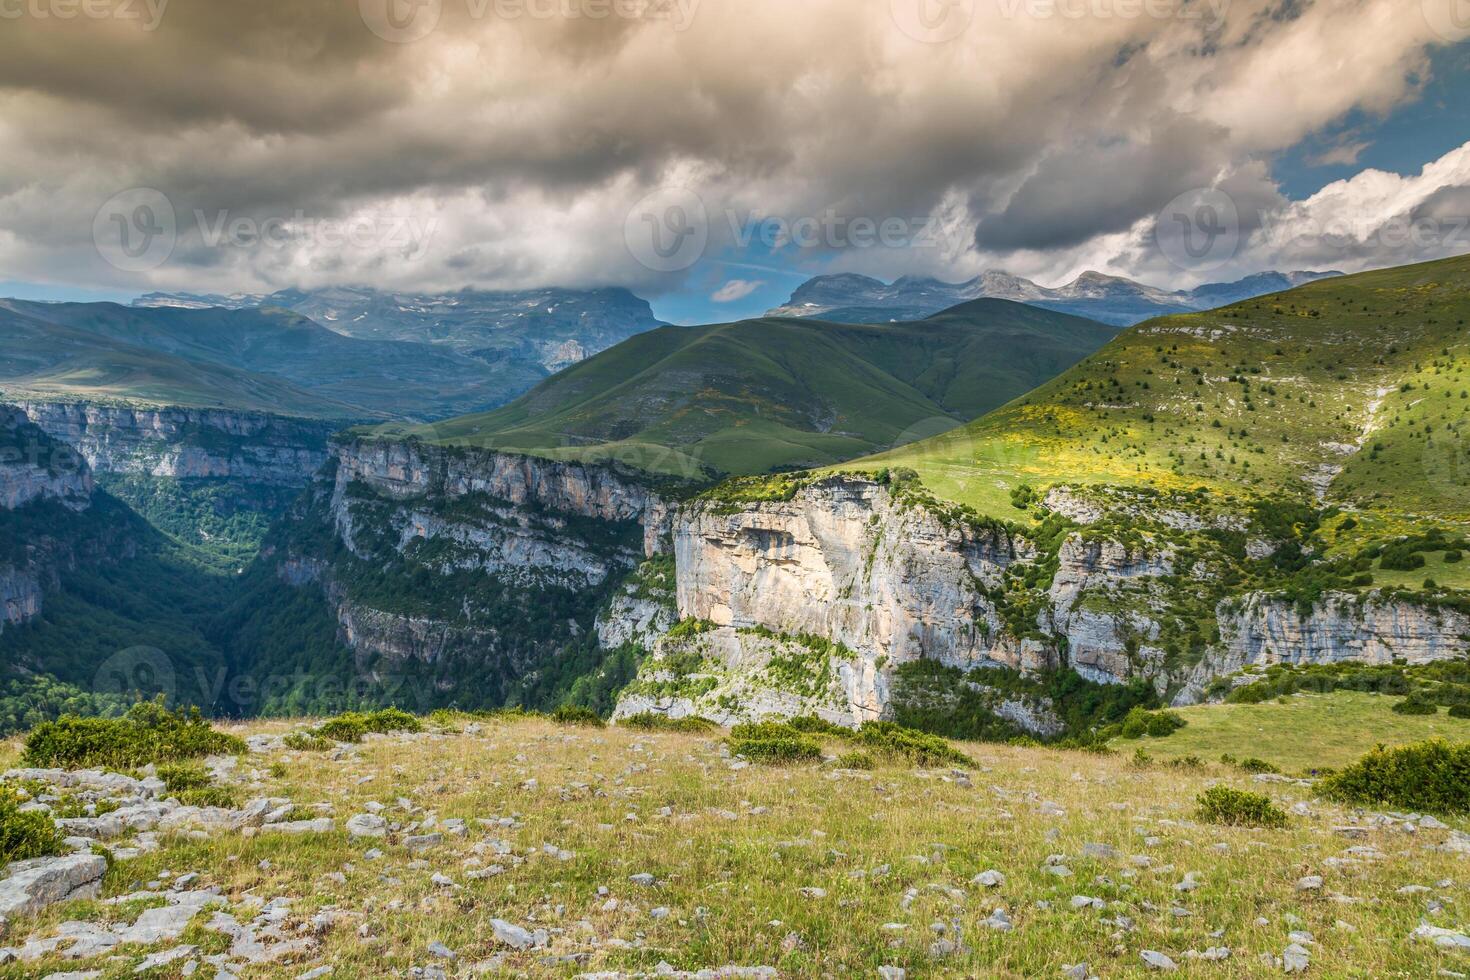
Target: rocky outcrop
1100, 602
847, 561
20, 597
1259, 631
30, 886
188, 443
35, 467
877, 572
404, 470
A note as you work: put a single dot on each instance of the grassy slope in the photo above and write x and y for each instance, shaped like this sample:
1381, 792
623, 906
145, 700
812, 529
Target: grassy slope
1253, 397
1306, 731
742, 844
271, 360
764, 394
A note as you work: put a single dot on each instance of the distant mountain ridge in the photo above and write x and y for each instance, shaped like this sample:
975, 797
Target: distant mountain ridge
549, 329
259, 360
766, 394
850, 298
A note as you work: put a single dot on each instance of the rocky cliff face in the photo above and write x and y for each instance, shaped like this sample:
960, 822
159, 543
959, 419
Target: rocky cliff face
846, 561
35, 467
20, 597
888, 582
470, 570
1259, 631
186, 443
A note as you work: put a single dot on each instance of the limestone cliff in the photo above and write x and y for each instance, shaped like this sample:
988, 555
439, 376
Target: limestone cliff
35, 467
187, 443
469, 571
885, 577
20, 597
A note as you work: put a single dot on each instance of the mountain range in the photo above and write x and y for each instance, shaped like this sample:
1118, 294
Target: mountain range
540, 330
773, 393
1108, 299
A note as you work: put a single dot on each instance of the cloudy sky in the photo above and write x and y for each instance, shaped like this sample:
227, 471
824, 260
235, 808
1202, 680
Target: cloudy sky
711, 154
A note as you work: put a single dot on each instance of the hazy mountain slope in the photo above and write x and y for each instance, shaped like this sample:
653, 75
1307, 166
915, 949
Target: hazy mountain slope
269, 360
763, 394
538, 331
1352, 387
1109, 299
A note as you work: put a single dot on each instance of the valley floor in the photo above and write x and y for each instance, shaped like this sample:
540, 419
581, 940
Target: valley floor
585, 850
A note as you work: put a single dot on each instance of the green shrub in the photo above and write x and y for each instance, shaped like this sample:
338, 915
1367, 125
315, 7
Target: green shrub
812, 725
1189, 762
777, 750
25, 835
1431, 776
1460, 711
574, 714
1155, 724
856, 760
1417, 703
652, 722
1234, 808
1259, 766
148, 733
306, 742
180, 776
920, 748
351, 726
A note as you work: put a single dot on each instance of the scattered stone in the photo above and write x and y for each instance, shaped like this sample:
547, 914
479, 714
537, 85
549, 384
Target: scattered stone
1158, 961
1311, 883
367, 825
33, 885
989, 879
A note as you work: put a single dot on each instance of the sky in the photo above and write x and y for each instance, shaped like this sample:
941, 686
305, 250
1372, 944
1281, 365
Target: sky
713, 154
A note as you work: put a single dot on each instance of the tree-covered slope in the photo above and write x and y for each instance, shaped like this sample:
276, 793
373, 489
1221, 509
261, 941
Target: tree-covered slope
1356, 390
775, 393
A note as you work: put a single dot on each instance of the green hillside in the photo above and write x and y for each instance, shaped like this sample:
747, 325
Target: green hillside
773, 393
260, 360
1355, 390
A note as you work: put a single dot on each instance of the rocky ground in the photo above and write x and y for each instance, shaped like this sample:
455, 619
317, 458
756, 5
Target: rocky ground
522, 848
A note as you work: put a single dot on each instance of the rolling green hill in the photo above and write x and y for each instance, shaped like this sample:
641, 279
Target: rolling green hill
1354, 390
260, 360
760, 395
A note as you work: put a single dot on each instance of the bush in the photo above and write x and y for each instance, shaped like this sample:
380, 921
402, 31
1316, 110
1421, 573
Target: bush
306, 742
652, 722
1155, 724
1234, 808
1417, 703
180, 776
573, 714
921, 749
1460, 711
856, 760
25, 835
351, 726
812, 725
777, 749
1259, 766
1430, 776
148, 733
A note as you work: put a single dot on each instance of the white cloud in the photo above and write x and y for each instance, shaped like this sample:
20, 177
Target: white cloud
736, 289
526, 143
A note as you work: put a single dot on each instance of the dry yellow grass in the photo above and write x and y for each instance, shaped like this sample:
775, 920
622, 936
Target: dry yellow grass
732, 851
